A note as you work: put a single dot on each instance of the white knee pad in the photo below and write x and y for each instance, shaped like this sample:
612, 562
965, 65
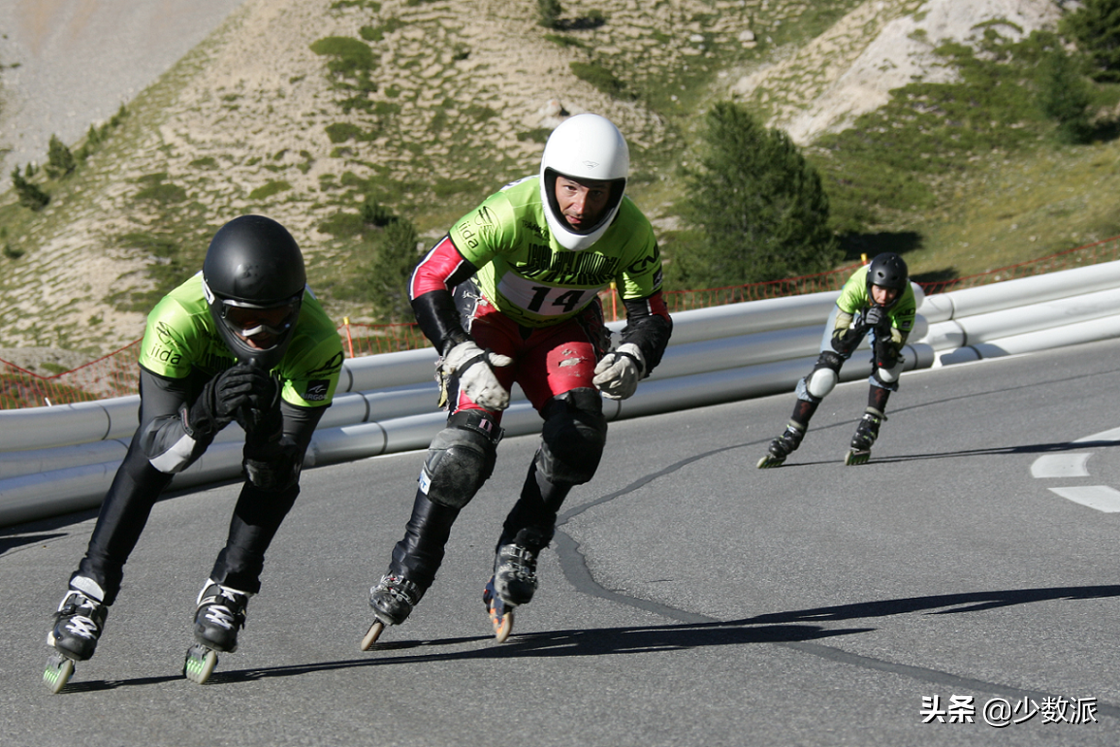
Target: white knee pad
890, 375
821, 381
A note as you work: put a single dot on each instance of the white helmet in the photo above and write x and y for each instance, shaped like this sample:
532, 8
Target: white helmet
585, 146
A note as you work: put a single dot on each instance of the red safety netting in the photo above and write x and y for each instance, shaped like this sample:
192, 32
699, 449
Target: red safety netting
115, 375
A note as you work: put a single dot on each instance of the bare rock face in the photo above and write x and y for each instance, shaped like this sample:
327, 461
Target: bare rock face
881, 45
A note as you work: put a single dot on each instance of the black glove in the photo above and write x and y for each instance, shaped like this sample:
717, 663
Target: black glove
873, 318
260, 416
221, 398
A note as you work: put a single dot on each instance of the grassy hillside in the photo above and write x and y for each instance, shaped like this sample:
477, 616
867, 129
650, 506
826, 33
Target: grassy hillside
306, 110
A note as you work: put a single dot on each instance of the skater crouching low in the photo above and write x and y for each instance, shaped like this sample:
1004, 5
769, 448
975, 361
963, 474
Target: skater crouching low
876, 302
240, 341
511, 295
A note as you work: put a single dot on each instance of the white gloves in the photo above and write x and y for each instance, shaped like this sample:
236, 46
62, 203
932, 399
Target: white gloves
617, 375
476, 375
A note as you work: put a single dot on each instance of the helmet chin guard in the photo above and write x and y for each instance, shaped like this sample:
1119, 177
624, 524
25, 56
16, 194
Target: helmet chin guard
254, 263
583, 147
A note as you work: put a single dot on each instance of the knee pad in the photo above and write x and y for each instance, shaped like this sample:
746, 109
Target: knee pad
888, 377
460, 458
275, 468
822, 379
573, 437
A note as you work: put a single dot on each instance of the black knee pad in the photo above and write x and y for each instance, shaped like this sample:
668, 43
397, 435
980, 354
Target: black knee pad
275, 467
573, 437
460, 458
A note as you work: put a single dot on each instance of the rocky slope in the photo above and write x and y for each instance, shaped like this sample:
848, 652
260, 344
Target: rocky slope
253, 119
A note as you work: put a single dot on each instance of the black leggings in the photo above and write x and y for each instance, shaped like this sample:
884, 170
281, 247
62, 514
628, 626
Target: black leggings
135, 489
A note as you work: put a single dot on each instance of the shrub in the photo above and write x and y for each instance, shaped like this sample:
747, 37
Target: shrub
349, 56
376, 214
340, 132
265, 191
160, 191
30, 195
550, 11
602, 79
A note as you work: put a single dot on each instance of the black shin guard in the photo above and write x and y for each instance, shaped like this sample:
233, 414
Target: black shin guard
537, 507
803, 412
419, 554
877, 398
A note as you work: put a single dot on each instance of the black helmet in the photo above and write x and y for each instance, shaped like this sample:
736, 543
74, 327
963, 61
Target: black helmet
254, 264
888, 270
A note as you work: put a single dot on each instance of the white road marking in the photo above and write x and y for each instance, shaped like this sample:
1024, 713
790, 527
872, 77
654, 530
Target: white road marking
1110, 435
1100, 497
1073, 464
1061, 465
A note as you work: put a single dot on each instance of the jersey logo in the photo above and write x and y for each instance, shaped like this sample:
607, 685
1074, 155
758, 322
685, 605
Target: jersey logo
163, 332
165, 355
317, 390
485, 217
643, 264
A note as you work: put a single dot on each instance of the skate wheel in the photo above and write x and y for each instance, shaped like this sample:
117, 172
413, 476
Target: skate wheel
58, 672
769, 461
372, 635
503, 625
200, 663
855, 457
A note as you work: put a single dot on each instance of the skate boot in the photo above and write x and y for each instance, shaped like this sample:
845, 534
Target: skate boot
392, 600
514, 581
220, 614
866, 433
501, 614
77, 626
783, 446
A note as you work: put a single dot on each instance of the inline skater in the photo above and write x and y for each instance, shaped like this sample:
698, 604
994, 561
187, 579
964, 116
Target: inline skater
511, 295
876, 302
241, 341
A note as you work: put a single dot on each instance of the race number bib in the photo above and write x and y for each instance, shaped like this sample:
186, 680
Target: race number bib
544, 300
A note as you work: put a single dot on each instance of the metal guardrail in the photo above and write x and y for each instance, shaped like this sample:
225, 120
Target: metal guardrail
61, 459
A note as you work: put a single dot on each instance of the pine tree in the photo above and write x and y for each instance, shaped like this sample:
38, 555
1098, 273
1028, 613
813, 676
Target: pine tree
1096, 28
387, 274
758, 204
1064, 96
60, 161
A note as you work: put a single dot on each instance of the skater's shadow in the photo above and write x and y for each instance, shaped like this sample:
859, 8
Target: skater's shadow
790, 627
562, 643
94, 686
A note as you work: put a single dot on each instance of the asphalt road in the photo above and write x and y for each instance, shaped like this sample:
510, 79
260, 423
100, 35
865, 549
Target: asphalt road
690, 599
